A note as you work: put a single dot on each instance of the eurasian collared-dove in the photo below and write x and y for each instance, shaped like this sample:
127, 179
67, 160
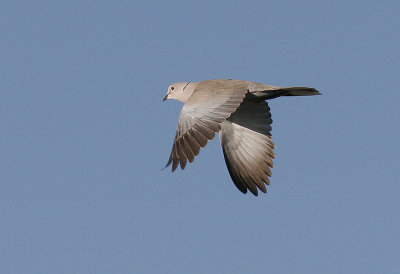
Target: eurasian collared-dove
237, 110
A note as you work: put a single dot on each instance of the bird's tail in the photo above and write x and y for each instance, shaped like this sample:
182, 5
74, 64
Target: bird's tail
299, 91
278, 91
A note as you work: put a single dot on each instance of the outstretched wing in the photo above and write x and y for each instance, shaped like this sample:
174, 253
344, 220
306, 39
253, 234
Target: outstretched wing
248, 147
210, 104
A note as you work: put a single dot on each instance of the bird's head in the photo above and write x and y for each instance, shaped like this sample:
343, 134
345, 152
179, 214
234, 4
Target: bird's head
180, 91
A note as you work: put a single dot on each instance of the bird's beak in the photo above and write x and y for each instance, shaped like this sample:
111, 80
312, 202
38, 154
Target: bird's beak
165, 98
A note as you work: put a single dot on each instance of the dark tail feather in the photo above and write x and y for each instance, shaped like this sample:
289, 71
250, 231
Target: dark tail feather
299, 91
274, 93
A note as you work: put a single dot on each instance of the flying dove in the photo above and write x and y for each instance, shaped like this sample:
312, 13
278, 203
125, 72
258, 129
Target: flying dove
237, 110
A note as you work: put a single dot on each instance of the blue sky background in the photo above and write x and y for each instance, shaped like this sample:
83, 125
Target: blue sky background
84, 134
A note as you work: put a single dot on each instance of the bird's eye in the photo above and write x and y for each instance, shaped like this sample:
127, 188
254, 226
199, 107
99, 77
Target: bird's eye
172, 88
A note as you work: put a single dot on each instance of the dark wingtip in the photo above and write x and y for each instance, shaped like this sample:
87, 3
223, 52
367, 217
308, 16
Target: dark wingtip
164, 167
168, 163
240, 185
254, 192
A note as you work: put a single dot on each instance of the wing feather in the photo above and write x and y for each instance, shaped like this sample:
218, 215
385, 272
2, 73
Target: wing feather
211, 103
248, 147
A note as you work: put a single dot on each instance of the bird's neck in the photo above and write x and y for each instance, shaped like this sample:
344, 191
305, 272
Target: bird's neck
187, 91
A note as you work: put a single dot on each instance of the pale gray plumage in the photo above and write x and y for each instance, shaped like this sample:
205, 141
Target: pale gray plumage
237, 110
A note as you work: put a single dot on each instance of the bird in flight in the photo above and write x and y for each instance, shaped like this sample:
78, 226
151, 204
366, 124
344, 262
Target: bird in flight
238, 111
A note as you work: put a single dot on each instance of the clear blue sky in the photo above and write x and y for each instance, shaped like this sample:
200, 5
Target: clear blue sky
84, 134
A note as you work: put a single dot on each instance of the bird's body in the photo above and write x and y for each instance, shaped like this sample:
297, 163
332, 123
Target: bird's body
237, 110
